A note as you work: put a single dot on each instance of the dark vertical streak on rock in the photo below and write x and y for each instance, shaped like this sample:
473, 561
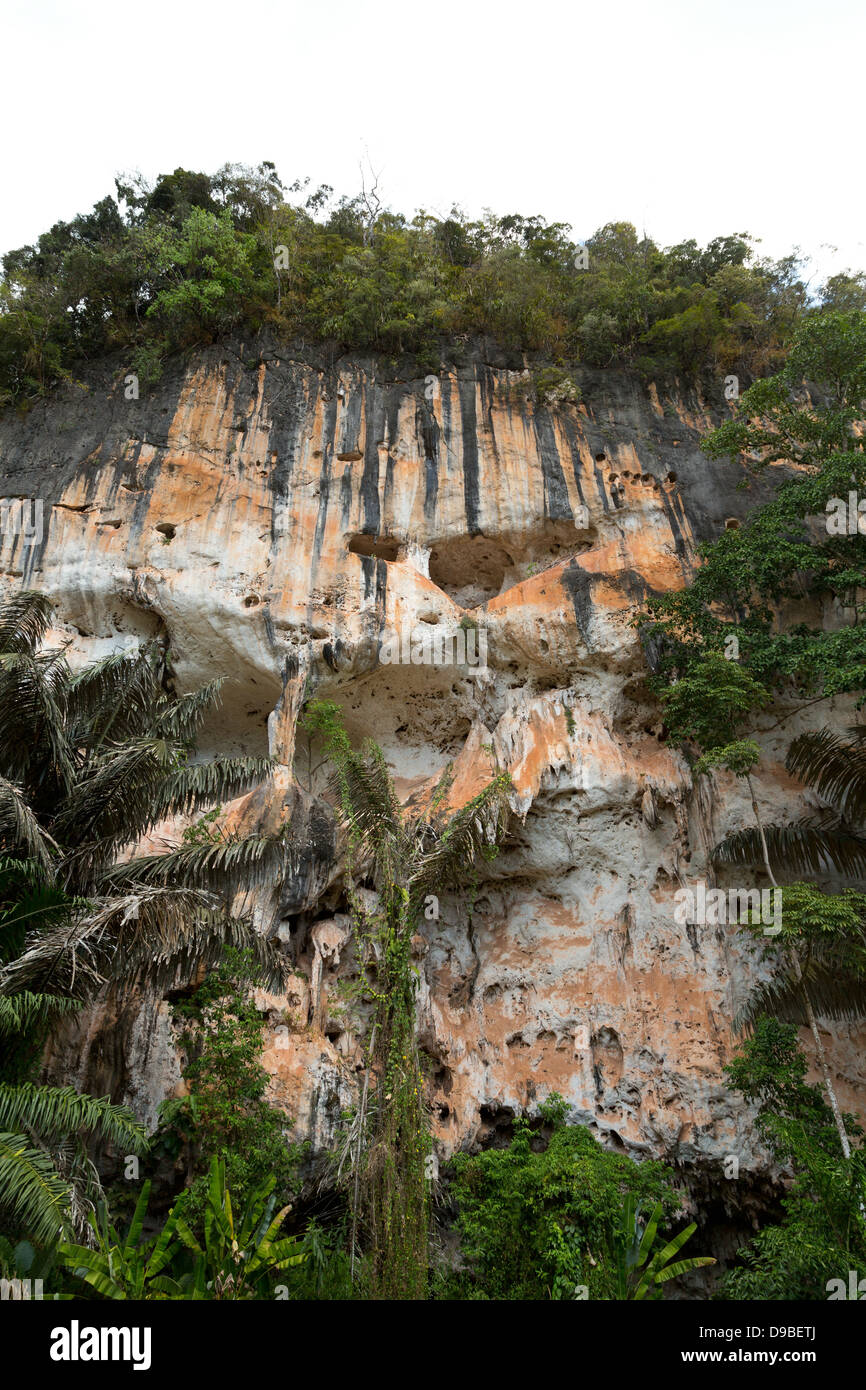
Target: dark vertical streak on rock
672, 506
350, 422
469, 426
346, 497
330, 425
375, 417
393, 398
368, 570
578, 586
556, 504
574, 449
427, 434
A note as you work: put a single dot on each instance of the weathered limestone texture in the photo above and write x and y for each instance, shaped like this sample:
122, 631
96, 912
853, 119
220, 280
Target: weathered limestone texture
274, 520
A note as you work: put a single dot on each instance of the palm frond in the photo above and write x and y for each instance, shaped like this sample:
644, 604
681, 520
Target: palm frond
835, 766
834, 996
475, 827
181, 717
114, 697
52, 1112
112, 805
369, 806
21, 1012
28, 905
130, 791
19, 828
33, 733
157, 931
815, 846
33, 1196
204, 784
24, 620
227, 865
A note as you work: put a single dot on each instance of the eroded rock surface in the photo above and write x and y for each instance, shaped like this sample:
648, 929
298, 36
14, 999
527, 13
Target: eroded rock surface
275, 522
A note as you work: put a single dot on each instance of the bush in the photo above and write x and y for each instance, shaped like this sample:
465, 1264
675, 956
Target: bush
538, 1218
226, 1115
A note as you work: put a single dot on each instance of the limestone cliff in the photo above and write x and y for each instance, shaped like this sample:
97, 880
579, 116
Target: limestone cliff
274, 519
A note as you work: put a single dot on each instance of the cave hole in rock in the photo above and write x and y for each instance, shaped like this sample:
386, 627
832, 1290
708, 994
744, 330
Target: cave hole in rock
472, 570
732, 524
166, 529
381, 546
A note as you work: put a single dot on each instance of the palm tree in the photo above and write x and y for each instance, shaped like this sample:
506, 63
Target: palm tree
406, 858
47, 1180
90, 761
832, 842
828, 976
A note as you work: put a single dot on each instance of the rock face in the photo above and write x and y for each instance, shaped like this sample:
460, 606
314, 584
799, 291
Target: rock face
296, 526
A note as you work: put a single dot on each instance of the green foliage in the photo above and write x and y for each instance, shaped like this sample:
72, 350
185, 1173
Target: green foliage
226, 1115
804, 417
554, 386
207, 268
404, 858
738, 757
708, 702
642, 1265
325, 1274
206, 830
46, 1176
160, 268
238, 1257
822, 1234
537, 1220
90, 761
828, 933
125, 1266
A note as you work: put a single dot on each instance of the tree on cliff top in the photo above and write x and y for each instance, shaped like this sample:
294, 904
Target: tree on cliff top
196, 256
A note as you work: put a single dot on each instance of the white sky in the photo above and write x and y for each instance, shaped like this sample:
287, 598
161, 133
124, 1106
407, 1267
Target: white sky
686, 117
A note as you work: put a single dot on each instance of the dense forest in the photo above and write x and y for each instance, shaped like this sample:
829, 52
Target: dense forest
153, 270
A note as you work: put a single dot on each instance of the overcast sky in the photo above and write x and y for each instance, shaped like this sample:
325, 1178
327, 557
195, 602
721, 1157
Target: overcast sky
688, 118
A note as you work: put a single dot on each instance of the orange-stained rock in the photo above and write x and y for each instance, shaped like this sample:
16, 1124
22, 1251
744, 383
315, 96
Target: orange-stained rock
278, 526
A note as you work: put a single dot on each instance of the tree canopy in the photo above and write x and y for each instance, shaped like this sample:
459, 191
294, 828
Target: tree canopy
153, 269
